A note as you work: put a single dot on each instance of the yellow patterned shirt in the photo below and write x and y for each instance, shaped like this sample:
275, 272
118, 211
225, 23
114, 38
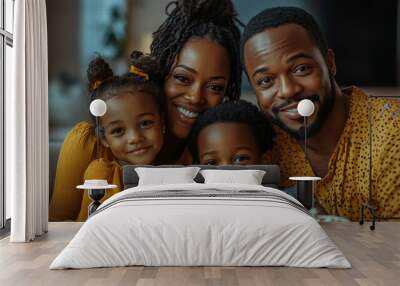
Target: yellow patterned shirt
345, 187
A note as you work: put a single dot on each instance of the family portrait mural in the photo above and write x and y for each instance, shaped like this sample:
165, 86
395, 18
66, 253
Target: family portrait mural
219, 82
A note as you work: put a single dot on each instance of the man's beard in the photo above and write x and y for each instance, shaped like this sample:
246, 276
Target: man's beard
326, 107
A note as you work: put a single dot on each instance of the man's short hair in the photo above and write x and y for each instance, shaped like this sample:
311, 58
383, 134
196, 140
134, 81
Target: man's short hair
278, 16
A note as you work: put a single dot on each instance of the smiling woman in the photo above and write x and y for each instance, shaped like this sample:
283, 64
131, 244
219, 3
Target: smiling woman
197, 48
194, 84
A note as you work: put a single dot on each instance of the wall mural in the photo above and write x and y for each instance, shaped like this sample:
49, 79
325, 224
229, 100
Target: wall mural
137, 83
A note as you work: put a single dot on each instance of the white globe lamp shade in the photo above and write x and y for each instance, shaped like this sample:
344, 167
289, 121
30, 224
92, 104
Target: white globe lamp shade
98, 107
305, 107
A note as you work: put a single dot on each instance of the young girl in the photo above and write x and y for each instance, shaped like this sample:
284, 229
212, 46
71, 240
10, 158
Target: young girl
231, 133
132, 128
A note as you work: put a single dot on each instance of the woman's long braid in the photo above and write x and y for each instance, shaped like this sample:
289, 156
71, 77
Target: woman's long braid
209, 19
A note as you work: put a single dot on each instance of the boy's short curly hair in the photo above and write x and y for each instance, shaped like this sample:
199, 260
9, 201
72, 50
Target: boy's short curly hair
237, 112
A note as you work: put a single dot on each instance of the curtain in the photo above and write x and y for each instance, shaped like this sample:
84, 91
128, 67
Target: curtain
27, 171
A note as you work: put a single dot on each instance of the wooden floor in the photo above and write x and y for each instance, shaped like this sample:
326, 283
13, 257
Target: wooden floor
375, 256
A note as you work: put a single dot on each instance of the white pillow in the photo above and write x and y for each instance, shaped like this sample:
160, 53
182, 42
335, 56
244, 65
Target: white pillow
163, 176
248, 177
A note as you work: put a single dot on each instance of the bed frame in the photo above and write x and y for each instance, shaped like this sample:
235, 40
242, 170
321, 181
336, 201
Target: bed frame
131, 178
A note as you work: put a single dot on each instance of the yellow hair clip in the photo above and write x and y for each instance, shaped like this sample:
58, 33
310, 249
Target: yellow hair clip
139, 72
96, 84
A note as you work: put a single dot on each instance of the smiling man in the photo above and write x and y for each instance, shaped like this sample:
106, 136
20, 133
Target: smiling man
287, 59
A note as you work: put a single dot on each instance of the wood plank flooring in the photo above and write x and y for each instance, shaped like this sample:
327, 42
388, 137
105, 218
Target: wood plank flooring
374, 255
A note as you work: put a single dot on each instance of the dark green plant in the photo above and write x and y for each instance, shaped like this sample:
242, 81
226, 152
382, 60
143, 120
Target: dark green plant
114, 36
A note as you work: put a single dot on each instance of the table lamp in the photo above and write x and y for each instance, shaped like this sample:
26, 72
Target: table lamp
306, 185
97, 108
305, 108
96, 188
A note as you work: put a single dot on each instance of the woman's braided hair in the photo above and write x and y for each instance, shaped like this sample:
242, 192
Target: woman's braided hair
212, 19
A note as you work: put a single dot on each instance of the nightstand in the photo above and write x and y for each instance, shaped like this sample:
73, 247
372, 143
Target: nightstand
97, 190
305, 190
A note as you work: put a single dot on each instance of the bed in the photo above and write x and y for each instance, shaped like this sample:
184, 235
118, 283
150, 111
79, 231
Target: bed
201, 224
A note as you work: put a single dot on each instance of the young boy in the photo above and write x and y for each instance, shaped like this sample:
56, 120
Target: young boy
231, 133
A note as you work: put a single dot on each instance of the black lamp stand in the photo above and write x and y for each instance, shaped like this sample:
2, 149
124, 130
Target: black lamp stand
370, 205
95, 195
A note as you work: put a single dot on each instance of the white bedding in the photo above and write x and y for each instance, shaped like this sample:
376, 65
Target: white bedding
183, 231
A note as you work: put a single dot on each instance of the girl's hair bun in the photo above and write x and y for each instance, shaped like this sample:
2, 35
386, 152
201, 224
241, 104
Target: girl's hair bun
145, 63
98, 71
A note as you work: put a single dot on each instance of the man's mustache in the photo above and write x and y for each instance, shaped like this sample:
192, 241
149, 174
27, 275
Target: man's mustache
313, 98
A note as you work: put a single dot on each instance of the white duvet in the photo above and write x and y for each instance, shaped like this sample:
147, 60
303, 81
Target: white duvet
183, 231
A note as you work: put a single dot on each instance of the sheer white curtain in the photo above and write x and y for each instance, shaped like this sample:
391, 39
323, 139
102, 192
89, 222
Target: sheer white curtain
27, 172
